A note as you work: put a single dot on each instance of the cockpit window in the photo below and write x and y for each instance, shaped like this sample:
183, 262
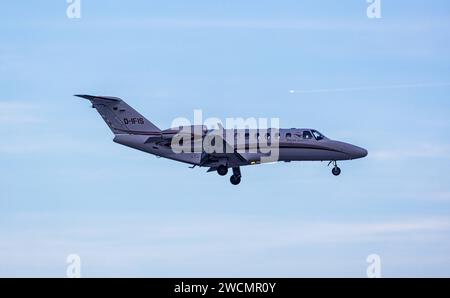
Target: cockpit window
318, 135
307, 135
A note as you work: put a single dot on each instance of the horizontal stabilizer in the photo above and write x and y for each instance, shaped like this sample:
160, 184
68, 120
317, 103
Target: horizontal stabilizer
91, 97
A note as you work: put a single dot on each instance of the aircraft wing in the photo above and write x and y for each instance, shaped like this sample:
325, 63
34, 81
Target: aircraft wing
230, 154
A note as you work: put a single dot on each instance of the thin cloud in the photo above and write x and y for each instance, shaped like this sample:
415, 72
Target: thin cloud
441, 196
421, 151
328, 24
248, 230
435, 196
259, 24
46, 144
371, 88
191, 240
18, 113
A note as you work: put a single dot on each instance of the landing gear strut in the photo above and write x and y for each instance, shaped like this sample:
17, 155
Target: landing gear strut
222, 170
235, 179
336, 170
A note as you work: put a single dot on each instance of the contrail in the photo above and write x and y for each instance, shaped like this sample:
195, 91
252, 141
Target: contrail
368, 88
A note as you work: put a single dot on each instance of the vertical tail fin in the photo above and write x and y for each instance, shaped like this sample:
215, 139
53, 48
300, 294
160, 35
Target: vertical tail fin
119, 116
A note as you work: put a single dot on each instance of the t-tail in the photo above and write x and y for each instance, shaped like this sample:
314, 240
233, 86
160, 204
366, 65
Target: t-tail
120, 117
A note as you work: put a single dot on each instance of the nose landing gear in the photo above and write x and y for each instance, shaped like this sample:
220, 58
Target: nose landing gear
336, 170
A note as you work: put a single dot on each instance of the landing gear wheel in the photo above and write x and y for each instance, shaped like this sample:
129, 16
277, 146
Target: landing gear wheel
336, 171
235, 180
222, 170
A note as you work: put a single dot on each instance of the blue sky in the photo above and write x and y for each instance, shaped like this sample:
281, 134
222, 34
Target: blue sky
66, 188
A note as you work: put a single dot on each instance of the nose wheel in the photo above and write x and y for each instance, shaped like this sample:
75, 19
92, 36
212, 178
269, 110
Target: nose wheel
336, 170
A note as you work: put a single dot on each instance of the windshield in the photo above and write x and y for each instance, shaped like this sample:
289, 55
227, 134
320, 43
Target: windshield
318, 135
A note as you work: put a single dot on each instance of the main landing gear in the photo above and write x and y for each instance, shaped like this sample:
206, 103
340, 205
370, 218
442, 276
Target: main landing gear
222, 170
336, 170
235, 179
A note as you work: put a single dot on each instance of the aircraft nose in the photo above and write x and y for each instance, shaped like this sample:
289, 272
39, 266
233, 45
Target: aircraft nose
357, 152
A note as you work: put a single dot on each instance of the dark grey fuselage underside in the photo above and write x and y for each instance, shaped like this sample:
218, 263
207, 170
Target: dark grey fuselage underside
288, 149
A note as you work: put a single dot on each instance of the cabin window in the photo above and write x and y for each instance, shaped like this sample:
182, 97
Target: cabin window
288, 135
307, 135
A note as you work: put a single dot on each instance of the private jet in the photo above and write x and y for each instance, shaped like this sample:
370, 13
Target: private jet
240, 147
